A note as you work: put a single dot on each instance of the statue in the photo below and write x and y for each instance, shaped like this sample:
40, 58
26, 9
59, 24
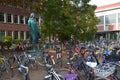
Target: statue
33, 28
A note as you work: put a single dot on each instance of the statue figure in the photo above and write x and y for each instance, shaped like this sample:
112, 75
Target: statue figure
33, 28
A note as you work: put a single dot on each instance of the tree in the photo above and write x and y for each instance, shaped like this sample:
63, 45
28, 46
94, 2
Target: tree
68, 17
24, 4
63, 18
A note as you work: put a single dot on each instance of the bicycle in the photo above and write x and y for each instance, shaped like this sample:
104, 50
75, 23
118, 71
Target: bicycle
104, 71
31, 60
22, 68
4, 66
77, 67
52, 74
12, 62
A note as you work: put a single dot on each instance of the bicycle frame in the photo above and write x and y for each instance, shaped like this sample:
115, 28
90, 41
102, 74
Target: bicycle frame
24, 70
4, 66
52, 73
74, 70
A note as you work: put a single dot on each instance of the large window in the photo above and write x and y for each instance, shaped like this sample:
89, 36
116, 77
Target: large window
101, 20
21, 20
1, 17
111, 18
15, 18
9, 18
118, 17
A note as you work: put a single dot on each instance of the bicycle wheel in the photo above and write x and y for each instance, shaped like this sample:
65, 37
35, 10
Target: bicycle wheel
12, 63
1, 70
114, 77
39, 59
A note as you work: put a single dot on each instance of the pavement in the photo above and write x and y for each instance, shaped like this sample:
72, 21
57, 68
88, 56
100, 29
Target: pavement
38, 74
35, 74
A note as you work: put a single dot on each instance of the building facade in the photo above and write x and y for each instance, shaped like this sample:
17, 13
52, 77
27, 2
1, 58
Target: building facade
109, 25
13, 22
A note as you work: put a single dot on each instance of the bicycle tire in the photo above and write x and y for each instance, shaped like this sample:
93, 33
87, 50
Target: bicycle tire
12, 64
115, 77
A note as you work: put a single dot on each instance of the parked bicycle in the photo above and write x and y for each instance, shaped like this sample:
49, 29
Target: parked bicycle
52, 74
22, 68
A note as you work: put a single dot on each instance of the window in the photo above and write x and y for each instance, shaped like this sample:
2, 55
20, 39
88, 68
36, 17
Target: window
2, 34
9, 18
21, 20
15, 19
1, 17
22, 35
109, 19
9, 33
118, 17
15, 34
101, 20
26, 19
27, 35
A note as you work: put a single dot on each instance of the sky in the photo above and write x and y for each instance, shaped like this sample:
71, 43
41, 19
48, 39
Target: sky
103, 2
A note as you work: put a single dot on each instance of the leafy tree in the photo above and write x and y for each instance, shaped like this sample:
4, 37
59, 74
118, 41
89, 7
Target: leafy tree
63, 18
24, 4
68, 17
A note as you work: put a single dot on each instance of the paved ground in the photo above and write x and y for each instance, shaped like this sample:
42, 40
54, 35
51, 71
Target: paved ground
35, 74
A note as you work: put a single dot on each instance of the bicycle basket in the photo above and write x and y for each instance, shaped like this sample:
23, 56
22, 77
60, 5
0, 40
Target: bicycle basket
104, 70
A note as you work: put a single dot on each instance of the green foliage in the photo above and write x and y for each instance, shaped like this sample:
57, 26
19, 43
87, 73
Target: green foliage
24, 4
68, 17
7, 44
7, 38
7, 41
63, 18
15, 41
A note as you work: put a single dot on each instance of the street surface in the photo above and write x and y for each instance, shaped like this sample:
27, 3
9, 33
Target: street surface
35, 74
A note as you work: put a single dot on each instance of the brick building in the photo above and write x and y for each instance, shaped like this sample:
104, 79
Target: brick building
13, 22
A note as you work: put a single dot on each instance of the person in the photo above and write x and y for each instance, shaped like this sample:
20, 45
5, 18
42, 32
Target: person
33, 28
76, 49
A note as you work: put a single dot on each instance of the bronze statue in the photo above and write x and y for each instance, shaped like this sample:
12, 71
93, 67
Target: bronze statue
33, 28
